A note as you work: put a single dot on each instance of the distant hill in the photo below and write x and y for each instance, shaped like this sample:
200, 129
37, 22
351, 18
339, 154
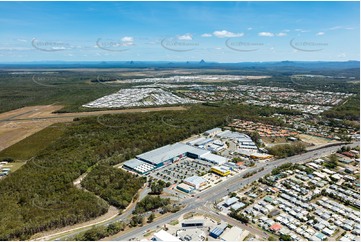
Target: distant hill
280, 66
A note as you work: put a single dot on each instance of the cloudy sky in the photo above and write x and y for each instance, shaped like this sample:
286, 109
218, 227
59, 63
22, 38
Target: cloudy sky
179, 31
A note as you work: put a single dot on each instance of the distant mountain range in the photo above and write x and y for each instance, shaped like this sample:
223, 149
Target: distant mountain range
188, 64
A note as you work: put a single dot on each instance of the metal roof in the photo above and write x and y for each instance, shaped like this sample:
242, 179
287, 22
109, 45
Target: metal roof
231, 200
233, 234
193, 221
168, 152
133, 163
213, 130
165, 236
196, 180
234, 135
214, 158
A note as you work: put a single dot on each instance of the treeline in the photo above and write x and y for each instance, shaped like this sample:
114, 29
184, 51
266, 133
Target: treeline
350, 110
239, 216
286, 150
114, 185
100, 232
158, 186
151, 202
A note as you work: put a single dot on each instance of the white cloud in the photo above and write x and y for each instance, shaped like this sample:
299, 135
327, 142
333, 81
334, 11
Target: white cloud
320, 33
281, 34
127, 41
301, 30
185, 37
266, 34
206, 35
226, 34
340, 27
250, 28
342, 55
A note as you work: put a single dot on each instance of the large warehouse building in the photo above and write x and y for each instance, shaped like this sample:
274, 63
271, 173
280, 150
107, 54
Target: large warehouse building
168, 154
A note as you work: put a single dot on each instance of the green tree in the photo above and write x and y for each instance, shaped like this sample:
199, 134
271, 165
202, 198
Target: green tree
151, 218
285, 237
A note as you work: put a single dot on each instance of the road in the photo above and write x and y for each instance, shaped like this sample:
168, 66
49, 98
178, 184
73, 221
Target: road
234, 222
65, 235
232, 184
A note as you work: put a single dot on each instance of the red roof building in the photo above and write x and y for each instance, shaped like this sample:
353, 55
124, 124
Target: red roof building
275, 227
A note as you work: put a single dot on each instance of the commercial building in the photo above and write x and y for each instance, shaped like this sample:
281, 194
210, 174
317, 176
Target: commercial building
169, 154
193, 223
217, 231
195, 181
232, 234
213, 132
164, 236
191, 234
185, 188
220, 170
148, 161
215, 159
227, 134
138, 166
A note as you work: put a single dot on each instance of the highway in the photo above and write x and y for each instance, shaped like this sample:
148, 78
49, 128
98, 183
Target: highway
232, 184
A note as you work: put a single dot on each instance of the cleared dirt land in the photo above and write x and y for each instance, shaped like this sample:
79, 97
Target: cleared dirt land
18, 124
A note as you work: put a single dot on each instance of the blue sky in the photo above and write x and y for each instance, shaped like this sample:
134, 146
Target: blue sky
179, 31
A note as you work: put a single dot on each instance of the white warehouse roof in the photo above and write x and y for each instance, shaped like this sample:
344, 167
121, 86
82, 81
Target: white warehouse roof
164, 236
234, 135
167, 152
196, 180
216, 159
215, 130
233, 234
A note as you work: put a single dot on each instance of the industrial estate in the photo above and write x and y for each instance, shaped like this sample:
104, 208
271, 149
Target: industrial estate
180, 121
296, 201
203, 150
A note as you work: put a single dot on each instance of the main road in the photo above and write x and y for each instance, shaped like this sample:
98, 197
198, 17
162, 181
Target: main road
232, 184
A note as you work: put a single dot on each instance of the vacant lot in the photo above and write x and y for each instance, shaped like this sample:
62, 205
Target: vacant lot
315, 140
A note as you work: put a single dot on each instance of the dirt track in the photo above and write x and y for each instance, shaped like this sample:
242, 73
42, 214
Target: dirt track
18, 124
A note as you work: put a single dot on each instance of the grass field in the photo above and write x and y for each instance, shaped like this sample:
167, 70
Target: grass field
31, 145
